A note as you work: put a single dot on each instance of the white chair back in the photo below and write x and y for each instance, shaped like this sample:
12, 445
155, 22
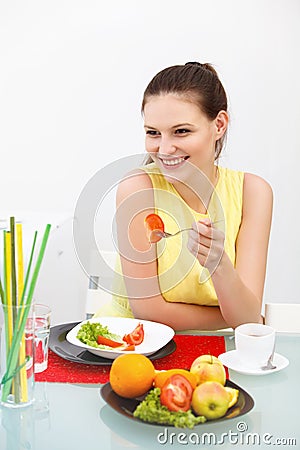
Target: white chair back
96, 296
284, 317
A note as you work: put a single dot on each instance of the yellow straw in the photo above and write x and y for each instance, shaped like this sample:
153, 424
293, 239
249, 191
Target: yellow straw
24, 391
20, 260
8, 291
8, 285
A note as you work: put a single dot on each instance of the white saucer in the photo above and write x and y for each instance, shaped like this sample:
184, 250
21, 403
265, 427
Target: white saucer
231, 360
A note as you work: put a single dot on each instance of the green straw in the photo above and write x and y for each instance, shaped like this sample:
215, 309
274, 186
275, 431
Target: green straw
13, 356
28, 269
38, 263
1, 292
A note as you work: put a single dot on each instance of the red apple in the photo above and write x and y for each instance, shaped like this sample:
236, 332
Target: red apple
208, 368
211, 400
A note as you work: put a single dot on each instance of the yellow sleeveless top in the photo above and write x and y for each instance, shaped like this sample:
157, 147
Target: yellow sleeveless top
181, 277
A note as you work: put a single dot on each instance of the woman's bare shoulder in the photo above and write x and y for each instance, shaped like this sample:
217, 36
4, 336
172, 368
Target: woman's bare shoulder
256, 185
257, 193
134, 181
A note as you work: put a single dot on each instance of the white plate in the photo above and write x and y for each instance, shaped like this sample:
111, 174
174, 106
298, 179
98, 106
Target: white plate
157, 335
231, 360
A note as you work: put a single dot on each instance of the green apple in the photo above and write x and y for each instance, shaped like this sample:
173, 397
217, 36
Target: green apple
208, 368
211, 400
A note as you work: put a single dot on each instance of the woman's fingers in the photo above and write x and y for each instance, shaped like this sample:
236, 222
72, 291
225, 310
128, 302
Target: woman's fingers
205, 233
200, 239
206, 243
203, 228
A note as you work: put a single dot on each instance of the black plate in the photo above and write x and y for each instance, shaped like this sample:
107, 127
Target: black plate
126, 406
59, 345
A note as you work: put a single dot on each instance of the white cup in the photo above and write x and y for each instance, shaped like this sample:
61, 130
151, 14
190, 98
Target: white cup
254, 343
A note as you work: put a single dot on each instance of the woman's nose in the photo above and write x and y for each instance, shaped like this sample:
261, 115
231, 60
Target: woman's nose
166, 147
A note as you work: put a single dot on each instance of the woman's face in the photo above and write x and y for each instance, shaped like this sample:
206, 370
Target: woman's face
177, 131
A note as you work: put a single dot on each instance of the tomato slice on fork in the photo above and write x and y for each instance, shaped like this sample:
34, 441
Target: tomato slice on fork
153, 222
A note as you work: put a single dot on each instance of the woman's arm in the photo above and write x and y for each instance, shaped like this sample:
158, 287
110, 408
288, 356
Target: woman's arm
139, 263
240, 289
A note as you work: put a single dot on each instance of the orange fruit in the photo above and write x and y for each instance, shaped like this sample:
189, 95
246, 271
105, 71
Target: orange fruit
162, 376
233, 396
131, 375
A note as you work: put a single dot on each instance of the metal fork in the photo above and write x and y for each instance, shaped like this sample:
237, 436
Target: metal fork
164, 234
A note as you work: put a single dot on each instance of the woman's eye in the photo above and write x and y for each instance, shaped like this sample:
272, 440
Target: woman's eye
152, 133
182, 131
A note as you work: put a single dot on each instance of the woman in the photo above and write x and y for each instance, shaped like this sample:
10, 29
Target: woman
213, 275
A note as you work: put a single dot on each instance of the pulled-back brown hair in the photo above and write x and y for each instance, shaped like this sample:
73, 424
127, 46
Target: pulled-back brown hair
199, 83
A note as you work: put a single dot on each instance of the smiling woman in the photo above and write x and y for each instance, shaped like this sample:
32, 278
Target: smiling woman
213, 276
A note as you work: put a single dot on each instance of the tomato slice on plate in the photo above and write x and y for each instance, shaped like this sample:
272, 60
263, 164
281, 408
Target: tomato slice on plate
153, 222
176, 393
102, 340
129, 348
136, 337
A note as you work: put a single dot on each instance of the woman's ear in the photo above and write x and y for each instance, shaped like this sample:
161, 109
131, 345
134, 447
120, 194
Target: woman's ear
221, 122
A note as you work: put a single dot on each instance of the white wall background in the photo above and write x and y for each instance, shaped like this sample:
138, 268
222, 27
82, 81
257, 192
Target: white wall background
72, 75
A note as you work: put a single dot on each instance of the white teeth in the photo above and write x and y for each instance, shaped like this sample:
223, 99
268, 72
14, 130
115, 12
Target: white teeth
172, 162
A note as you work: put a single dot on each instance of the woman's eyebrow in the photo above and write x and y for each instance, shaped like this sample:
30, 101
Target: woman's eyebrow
174, 126
183, 125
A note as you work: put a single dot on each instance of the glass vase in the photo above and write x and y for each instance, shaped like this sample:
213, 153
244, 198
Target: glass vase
17, 356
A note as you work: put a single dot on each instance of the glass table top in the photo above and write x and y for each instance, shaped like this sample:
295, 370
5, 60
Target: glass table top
71, 417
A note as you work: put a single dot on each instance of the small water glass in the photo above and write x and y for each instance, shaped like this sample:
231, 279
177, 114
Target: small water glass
42, 331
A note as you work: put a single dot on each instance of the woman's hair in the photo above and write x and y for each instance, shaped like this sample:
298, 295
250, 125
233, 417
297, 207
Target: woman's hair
198, 83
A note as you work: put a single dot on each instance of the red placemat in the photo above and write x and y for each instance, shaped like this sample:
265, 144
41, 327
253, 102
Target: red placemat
188, 348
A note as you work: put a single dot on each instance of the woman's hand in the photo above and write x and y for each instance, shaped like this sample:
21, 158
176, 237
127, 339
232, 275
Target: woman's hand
206, 243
